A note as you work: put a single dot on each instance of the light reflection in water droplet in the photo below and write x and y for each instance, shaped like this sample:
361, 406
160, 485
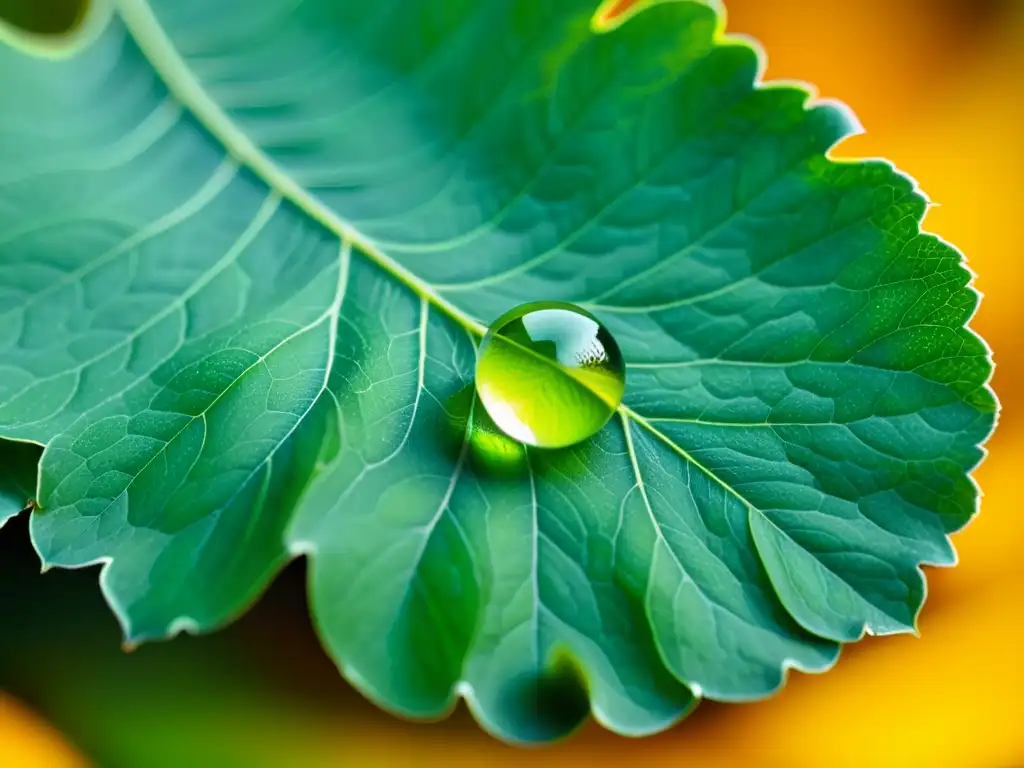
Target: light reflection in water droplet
549, 374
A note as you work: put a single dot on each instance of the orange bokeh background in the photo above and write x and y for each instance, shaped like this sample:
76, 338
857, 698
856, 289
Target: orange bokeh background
937, 85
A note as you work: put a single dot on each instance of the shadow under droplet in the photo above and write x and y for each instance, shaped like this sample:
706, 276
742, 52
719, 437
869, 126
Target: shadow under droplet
491, 453
494, 455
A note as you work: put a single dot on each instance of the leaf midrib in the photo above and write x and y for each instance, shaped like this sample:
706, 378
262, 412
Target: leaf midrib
163, 56
161, 53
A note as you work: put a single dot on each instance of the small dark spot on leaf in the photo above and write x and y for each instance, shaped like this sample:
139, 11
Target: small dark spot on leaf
550, 705
44, 17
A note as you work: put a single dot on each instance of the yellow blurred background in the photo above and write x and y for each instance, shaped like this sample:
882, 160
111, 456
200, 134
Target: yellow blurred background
937, 85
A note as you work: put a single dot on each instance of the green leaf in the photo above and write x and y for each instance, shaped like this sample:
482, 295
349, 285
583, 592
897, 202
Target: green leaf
247, 250
17, 477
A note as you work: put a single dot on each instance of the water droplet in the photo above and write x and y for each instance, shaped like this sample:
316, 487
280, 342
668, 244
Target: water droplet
549, 374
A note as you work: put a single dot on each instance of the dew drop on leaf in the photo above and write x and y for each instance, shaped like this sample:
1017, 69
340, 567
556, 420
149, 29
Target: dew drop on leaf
549, 374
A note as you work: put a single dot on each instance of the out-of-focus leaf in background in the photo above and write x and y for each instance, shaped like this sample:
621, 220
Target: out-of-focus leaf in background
936, 83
